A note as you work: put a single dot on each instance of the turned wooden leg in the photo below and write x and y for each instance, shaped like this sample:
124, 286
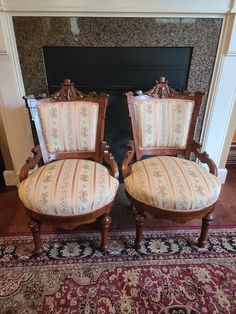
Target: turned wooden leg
206, 221
139, 220
106, 221
35, 229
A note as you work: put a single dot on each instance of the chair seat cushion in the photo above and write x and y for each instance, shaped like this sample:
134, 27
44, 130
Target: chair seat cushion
172, 183
68, 187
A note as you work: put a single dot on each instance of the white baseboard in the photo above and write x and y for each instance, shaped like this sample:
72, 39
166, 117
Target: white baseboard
11, 177
222, 174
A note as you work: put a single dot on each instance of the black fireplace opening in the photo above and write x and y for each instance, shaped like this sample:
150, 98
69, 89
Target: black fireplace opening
115, 70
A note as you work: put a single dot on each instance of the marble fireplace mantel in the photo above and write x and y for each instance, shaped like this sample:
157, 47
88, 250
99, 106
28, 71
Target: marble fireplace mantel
220, 117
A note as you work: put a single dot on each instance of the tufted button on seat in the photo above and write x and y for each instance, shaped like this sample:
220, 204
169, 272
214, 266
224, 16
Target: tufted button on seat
68, 187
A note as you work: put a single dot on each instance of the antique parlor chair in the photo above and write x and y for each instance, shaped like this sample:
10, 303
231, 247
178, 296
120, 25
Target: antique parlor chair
165, 181
73, 187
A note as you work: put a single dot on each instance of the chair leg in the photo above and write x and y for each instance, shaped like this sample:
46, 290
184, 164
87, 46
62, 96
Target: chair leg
35, 229
139, 220
106, 221
206, 221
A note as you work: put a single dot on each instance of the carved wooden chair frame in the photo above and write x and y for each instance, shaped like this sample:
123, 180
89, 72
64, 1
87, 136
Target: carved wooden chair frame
101, 154
193, 148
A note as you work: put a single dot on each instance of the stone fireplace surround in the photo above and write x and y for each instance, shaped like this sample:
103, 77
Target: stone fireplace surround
200, 34
219, 122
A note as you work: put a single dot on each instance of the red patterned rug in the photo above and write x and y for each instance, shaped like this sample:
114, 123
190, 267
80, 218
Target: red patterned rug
73, 276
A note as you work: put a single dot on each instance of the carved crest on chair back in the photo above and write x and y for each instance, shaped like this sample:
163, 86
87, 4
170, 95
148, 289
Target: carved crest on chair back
69, 92
161, 89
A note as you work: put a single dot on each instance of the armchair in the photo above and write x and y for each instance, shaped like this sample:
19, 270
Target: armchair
73, 187
168, 184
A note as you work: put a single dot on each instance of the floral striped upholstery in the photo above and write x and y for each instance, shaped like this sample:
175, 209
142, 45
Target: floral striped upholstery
172, 183
69, 126
154, 116
68, 187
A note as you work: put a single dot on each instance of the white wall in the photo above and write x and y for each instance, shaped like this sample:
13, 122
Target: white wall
13, 112
221, 119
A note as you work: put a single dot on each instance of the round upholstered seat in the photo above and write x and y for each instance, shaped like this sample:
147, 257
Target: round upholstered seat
172, 183
68, 187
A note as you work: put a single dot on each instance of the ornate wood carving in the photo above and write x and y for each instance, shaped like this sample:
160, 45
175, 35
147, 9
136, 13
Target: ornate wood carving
106, 221
69, 92
109, 159
35, 227
161, 89
31, 162
128, 159
204, 157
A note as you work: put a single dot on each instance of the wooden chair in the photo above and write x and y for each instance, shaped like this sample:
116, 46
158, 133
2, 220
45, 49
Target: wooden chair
73, 187
168, 184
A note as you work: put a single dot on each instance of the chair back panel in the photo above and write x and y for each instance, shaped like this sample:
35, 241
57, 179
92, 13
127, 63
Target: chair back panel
163, 122
69, 126
70, 129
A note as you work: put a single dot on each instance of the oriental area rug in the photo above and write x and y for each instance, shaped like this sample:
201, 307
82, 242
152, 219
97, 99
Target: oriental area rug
73, 276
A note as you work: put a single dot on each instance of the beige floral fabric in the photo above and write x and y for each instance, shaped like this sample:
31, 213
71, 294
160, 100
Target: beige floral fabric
154, 118
69, 126
172, 183
68, 187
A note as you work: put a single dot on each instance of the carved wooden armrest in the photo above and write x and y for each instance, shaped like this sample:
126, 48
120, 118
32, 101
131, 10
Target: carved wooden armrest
127, 159
109, 159
204, 157
31, 162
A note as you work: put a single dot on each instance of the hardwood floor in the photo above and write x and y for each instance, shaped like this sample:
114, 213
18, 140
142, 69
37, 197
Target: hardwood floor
14, 221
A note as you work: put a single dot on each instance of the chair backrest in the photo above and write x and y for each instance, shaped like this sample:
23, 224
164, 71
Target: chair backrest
69, 125
163, 123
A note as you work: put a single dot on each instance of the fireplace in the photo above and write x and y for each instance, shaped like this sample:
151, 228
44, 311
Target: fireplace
116, 68
114, 71
45, 33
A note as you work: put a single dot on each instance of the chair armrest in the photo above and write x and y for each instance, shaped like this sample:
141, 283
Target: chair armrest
31, 162
109, 159
127, 159
204, 157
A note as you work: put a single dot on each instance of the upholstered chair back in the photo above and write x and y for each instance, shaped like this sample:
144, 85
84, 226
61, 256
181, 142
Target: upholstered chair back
70, 129
69, 126
163, 122
163, 126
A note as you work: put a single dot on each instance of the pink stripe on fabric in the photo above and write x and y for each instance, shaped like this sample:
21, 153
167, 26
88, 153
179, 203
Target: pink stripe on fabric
74, 185
34, 200
149, 180
56, 181
202, 176
169, 181
190, 189
63, 122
